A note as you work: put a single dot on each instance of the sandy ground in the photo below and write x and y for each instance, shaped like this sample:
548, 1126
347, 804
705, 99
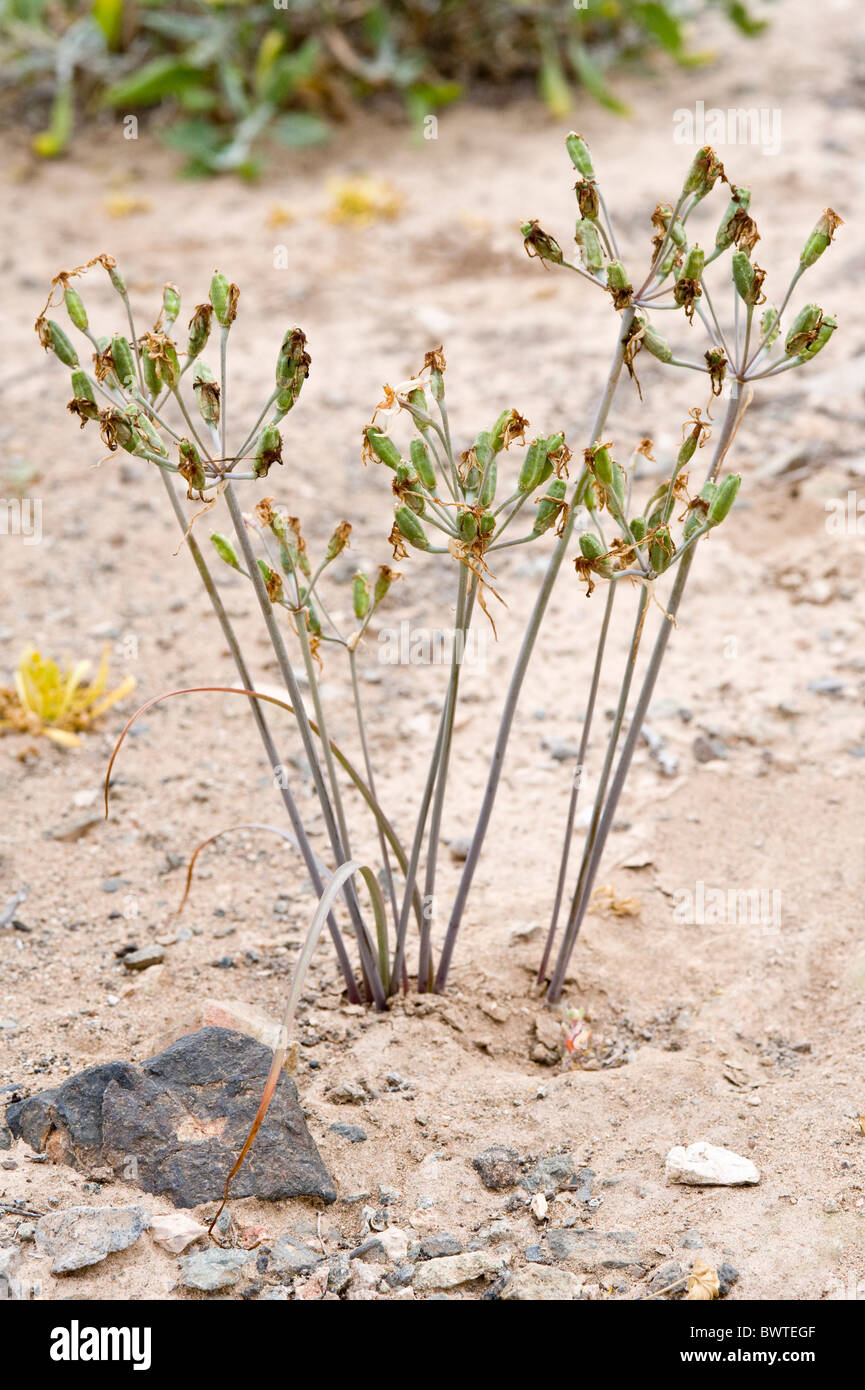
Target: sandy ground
747, 1036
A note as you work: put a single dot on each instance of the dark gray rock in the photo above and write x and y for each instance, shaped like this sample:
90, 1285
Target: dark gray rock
593, 1251
432, 1247
664, 1276
691, 1240
175, 1123
551, 1175
340, 1272
353, 1133
499, 1167
727, 1277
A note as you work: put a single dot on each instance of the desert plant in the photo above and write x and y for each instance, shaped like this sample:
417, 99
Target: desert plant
449, 497
676, 282
228, 77
150, 412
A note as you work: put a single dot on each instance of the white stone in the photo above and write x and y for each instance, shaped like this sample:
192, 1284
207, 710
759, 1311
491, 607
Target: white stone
174, 1231
708, 1165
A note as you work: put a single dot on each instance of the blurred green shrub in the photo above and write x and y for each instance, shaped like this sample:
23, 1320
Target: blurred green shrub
228, 73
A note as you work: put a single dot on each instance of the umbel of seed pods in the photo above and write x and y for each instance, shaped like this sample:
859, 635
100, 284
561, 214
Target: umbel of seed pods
437, 491
131, 380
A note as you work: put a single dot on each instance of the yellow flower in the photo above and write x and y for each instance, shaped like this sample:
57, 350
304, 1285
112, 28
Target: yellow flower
56, 702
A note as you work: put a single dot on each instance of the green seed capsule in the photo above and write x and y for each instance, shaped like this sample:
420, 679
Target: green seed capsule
418, 403
383, 447
60, 345
704, 172
423, 464
661, 550
168, 366
497, 434
586, 237
617, 276
207, 393
338, 541
692, 265
75, 308
385, 578
638, 528
170, 306
292, 363
360, 596
199, 330
708, 493
593, 551
549, 506
724, 499
82, 386
656, 345
437, 385
191, 466
591, 546
313, 621
533, 466
618, 484
124, 362
410, 489
224, 549
483, 449
580, 157
686, 453
803, 329
675, 229
769, 325
820, 238
488, 486
146, 429
740, 201
116, 429
468, 527
602, 464
487, 524
588, 200
411, 528
268, 451
272, 580
116, 279
219, 298
824, 333
743, 275
149, 372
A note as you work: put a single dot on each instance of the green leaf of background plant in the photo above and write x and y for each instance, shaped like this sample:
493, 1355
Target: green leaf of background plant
109, 16
592, 79
160, 78
297, 129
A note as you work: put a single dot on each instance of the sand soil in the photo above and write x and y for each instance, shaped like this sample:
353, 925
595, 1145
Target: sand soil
748, 1035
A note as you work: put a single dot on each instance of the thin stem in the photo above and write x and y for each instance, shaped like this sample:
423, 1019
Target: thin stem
575, 785
367, 760
463, 619
526, 649
735, 409
612, 742
296, 699
273, 758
